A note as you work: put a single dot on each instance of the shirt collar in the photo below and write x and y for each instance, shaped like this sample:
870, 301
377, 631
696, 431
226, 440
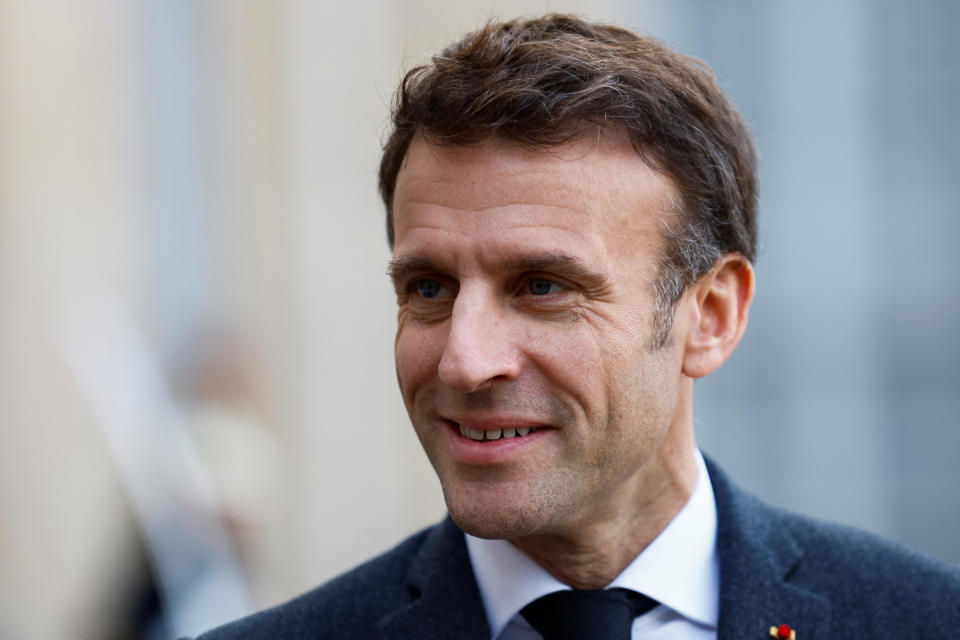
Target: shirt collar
679, 569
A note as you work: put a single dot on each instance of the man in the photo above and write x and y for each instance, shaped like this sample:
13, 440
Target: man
572, 214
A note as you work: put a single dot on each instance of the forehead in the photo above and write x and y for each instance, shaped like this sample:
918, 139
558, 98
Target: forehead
593, 187
497, 169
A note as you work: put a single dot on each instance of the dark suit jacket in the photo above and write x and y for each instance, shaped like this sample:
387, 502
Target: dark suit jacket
823, 580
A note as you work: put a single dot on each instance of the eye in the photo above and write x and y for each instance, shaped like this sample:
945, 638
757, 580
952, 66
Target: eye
543, 287
428, 288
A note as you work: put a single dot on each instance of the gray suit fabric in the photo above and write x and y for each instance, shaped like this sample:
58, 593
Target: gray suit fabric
824, 580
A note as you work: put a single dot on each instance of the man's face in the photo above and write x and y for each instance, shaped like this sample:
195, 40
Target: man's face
525, 288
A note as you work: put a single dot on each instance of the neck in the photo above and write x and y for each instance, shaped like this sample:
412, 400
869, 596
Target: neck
590, 554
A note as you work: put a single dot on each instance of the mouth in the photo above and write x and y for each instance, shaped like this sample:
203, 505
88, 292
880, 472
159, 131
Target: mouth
492, 441
488, 435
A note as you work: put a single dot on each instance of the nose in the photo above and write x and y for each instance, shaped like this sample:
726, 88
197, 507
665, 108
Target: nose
480, 347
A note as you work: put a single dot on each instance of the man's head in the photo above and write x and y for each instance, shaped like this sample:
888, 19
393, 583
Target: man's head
568, 256
544, 81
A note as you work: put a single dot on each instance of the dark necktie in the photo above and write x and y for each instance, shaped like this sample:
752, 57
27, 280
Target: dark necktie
587, 614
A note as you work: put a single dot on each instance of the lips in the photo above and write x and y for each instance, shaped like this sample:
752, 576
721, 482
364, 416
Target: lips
490, 440
494, 434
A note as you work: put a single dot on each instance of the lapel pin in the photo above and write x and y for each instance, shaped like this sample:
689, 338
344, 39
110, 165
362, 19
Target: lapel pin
783, 632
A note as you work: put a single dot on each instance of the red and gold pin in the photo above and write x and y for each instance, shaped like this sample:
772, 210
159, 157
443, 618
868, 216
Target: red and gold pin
783, 632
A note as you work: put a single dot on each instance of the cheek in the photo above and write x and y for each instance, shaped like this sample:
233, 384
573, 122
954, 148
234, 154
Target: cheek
571, 361
643, 395
631, 375
417, 351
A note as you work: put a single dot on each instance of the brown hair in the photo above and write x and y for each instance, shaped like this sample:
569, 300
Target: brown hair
541, 81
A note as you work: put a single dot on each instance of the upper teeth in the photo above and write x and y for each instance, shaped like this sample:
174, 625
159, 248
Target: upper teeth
494, 434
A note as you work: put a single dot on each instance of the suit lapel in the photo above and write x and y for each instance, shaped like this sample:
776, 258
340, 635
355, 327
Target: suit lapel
445, 601
758, 553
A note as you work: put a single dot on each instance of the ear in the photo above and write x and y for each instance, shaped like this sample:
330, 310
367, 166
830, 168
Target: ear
719, 304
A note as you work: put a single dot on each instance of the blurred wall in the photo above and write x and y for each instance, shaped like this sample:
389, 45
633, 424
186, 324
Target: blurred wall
71, 199
193, 299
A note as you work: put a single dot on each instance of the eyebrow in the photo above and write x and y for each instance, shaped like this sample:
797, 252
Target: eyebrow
561, 263
400, 268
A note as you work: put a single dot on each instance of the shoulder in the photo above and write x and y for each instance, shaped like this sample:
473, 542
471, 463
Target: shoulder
862, 571
871, 587
348, 606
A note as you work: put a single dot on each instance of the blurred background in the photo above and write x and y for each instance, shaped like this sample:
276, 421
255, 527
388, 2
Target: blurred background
198, 413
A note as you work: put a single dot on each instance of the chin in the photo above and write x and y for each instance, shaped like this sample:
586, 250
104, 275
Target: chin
489, 526
493, 517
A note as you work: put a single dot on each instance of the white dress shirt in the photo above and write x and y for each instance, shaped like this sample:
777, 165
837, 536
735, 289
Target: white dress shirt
679, 569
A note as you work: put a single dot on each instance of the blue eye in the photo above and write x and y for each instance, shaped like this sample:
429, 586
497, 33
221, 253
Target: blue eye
428, 288
542, 286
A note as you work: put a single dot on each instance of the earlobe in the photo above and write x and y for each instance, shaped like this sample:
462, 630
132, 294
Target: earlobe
720, 304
